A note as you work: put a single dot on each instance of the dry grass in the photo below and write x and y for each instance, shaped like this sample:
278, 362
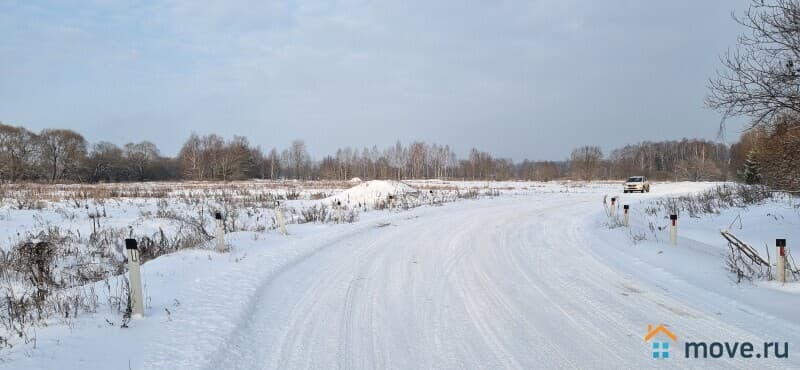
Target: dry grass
156, 190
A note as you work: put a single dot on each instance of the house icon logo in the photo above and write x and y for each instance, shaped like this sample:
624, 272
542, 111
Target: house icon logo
657, 338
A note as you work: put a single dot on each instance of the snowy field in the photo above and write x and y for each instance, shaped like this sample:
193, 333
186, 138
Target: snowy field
420, 274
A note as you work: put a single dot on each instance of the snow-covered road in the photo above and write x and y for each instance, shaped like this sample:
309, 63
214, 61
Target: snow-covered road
507, 283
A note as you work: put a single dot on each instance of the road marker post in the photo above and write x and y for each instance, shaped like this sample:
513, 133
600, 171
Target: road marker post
781, 264
625, 215
613, 207
280, 219
673, 229
135, 277
220, 232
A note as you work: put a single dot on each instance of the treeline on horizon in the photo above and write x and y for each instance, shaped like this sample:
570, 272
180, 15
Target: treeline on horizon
60, 155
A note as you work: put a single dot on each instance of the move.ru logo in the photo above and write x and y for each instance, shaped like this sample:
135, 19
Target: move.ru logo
656, 337
661, 343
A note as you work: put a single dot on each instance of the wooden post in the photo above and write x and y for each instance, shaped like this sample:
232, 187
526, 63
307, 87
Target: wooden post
781, 264
673, 229
613, 207
625, 216
135, 277
280, 219
220, 232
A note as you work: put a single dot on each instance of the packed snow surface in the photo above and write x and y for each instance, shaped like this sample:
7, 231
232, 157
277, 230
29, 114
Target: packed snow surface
533, 280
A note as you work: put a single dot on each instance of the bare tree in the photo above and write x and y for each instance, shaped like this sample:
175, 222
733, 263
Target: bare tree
298, 157
375, 160
539, 171
344, 158
62, 152
585, 161
16, 151
104, 162
418, 153
759, 78
273, 162
480, 164
191, 158
138, 157
396, 158
236, 160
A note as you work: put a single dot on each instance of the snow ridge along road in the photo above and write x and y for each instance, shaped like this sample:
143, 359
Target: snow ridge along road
501, 283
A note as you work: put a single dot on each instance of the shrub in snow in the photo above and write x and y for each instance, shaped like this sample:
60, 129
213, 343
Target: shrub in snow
323, 214
713, 200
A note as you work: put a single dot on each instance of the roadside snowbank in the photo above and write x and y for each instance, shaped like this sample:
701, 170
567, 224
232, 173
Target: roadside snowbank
695, 270
195, 299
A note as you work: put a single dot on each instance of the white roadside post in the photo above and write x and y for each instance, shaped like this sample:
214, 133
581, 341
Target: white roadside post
220, 232
279, 218
625, 219
135, 277
781, 265
673, 229
614, 207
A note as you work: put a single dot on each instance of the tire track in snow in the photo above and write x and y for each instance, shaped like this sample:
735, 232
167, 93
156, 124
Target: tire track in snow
486, 284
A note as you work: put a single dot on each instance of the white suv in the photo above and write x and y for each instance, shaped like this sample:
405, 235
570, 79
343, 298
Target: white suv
636, 183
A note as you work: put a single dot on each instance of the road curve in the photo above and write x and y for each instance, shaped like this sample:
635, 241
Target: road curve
505, 283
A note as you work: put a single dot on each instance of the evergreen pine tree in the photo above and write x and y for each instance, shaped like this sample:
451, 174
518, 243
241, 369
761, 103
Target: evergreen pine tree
752, 172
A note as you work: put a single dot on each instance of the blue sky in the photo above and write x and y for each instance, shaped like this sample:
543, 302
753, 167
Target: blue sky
521, 79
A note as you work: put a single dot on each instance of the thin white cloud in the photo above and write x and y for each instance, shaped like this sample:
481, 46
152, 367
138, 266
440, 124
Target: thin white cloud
521, 78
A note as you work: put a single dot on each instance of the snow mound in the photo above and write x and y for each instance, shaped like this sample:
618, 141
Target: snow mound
371, 193
355, 180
